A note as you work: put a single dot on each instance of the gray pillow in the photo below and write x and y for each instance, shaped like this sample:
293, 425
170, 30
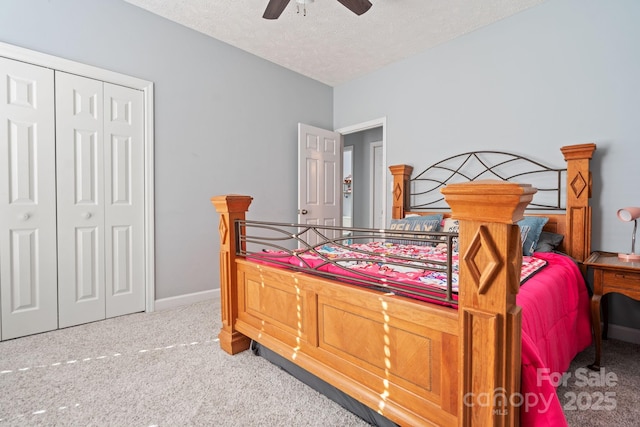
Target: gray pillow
548, 242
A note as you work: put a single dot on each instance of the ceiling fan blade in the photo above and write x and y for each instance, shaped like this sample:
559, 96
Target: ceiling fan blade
274, 9
356, 6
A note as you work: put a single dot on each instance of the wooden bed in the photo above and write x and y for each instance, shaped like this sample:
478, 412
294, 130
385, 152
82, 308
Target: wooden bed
411, 361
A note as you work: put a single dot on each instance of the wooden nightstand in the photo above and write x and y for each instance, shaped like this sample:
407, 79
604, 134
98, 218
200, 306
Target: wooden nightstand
610, 274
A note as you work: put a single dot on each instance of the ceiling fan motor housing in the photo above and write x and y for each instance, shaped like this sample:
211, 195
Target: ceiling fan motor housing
276, 7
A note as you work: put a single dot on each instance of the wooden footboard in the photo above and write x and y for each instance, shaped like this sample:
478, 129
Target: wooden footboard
378, 348
415, 363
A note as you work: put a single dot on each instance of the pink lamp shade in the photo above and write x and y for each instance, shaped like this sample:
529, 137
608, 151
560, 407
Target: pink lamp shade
627, 215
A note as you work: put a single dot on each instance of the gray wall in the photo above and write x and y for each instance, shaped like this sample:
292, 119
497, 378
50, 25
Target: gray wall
563, 72
225, 120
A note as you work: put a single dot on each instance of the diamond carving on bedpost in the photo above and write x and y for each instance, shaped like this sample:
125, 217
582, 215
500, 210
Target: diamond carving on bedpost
489, 319
482, 259
578, 184
223, 229
231, 208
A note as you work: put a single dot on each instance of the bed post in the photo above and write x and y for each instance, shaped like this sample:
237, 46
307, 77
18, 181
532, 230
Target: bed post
489, 319
400, 193
231, 208
578, 224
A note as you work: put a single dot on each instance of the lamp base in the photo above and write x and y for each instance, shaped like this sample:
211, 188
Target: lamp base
629, 257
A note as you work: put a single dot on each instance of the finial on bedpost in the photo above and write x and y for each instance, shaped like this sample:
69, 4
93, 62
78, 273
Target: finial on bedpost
490, 257
400, 193
231, 207
578, 194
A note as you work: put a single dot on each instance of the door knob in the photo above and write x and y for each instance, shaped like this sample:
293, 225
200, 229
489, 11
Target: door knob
86, 215
24, 216
304, 211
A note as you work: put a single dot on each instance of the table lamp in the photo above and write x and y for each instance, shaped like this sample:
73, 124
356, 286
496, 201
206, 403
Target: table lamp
630, 214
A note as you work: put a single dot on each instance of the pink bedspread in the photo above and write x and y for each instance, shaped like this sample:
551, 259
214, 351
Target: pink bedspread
556, 326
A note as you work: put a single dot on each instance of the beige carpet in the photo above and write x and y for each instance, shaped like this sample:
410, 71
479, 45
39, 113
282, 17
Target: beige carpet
606, 398
166, 369
158, 369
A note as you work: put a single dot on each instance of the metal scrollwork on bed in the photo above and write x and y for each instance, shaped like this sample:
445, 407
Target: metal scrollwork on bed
478, 165
359, 256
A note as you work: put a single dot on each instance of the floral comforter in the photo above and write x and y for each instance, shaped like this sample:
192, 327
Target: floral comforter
416, 271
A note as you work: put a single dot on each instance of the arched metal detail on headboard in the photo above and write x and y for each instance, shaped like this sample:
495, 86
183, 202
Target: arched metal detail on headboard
479, 165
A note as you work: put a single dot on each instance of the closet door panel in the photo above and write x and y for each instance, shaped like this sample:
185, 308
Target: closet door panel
124, 197
80, 166
28, 269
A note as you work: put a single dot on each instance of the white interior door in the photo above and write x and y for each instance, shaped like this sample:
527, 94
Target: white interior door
124, 200
28, 277
100, 139
319, 177
377, 187
79, 135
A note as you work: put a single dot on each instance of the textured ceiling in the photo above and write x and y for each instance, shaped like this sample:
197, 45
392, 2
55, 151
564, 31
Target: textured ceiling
331, 44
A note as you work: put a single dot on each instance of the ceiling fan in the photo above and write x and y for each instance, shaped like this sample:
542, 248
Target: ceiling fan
275, 7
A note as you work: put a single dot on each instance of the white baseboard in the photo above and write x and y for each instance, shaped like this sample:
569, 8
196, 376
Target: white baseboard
180, 300
624, 333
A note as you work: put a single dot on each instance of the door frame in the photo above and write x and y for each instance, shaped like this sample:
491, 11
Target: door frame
359, 127
348, 148
372, 176
61, 64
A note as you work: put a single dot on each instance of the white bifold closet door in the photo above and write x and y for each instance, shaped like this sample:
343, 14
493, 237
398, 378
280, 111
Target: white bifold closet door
28, 269
100, 187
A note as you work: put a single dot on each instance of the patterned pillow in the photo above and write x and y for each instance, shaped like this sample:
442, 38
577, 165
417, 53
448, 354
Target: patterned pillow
412, 224
524, 232
420, 218
535, 224
451, 225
